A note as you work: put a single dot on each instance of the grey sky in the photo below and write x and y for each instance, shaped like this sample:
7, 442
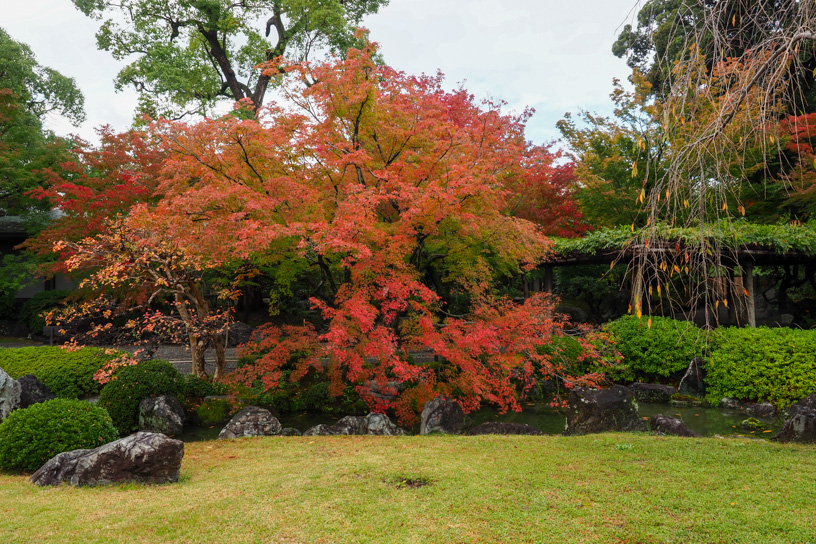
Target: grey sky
552, 56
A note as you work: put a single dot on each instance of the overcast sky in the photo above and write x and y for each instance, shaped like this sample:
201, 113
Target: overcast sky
554, 56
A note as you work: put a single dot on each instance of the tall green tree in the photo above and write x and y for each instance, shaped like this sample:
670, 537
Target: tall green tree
189, 54
28, 93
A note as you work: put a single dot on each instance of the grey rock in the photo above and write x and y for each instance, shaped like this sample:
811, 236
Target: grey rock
239, 333
442, 415
372, 424
9, 394
290, 431
663, 424
760, 409
144, 457
731, 404
652, 392
497, 427
693, 381
163, 414
786, 319
251, 421
602, 410
33, 391
380, 424
807, 402
801, 427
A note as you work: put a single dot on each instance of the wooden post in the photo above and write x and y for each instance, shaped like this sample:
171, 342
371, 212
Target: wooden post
548, 279
748, 284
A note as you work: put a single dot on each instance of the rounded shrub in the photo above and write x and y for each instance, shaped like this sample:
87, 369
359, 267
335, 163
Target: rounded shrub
653, 352
198, 388
129, 385
33, 435
762, 364
68, 374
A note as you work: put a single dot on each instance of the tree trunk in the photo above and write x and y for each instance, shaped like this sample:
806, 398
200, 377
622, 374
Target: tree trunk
220, 360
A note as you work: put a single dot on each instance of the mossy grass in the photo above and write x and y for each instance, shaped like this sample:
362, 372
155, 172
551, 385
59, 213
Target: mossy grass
487, 489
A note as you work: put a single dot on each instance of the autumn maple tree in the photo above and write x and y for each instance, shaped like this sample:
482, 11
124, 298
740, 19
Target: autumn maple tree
394, 201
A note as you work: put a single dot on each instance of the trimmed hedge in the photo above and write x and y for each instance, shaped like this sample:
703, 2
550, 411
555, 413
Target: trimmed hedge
762, 364
69, 374
130, 384
31, 436
651, 353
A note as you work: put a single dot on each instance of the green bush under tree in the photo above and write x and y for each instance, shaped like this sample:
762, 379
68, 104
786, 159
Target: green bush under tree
31, 436
129, 385
69, 374
32, 309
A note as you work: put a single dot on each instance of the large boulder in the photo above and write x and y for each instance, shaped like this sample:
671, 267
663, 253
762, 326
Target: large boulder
149, 458
497, 427
692, 383
9, 394
239, 333
663, 424
372, 424
652, 392
807, 402
602, 410
163, 414
442, 415
33, 391
251, 421
800, 427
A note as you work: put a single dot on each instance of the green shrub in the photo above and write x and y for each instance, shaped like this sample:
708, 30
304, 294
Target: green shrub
762, 364
198, 388
31, 436
651, 353
69, 374
129, 385
215, 411
39, 303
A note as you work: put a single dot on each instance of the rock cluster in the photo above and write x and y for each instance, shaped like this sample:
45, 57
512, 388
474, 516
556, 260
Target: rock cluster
372, 424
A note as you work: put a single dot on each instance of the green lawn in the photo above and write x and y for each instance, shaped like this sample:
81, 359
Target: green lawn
598, 488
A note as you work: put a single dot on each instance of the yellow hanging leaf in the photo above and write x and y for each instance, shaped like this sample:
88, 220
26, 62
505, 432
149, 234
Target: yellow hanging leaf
658, 289
611, 265
633, 227
734, 20
686, 269
725, 301
634, 169
744, 290
642, 195
667, 194
650, 290
639, 313
716, 304
677, 269
649, 323
648, 221
725, 206
685, 203
772, 139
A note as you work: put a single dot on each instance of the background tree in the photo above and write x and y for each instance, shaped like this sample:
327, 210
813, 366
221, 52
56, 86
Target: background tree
28, 93
192, 53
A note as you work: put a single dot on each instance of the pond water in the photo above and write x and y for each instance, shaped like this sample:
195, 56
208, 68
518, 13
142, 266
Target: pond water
704, 421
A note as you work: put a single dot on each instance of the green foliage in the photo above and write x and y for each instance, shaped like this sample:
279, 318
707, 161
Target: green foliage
32, 310
651, 353
186, 56
195, 387
762, 364
69, 374
214, 411
32, 436
129, 385
781, 238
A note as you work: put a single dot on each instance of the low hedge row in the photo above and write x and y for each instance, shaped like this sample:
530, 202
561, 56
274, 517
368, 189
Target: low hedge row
69, 374
762, 364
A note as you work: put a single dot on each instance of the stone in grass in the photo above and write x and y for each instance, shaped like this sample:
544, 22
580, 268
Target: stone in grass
497, 427
663, 424
372, 424
442, 415
144, 457
652, 392
163, 414
290, 431
801, 427
251, 421
9, 394
602, 410
33, 391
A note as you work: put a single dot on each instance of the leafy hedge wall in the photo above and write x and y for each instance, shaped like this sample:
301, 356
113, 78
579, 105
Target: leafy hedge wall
762, 364
651, 353
69, 374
